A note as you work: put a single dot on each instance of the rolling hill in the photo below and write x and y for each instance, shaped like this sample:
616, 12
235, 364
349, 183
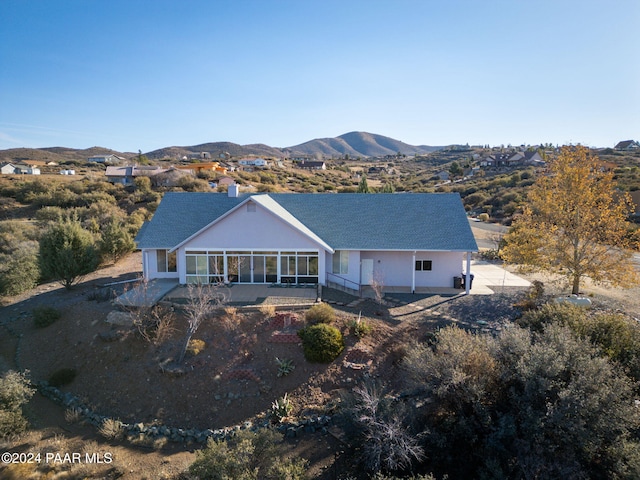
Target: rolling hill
354, 144
359, 144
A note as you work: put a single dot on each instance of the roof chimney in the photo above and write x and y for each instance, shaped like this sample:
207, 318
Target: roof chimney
233, 190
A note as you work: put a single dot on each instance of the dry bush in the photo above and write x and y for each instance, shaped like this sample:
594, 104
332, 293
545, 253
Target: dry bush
196, 346
73, 415
155, 325
111, 429
269, 311
231, 313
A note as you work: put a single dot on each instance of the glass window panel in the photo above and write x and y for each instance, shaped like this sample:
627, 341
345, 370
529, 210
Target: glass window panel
216, 266
161, 259
302, 266
191, 265
313, 266
172, 262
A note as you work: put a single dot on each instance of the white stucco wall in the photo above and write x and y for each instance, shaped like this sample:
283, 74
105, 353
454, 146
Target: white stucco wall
245, 230
395, 269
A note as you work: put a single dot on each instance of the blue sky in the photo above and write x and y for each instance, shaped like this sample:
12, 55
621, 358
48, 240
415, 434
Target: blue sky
140, 75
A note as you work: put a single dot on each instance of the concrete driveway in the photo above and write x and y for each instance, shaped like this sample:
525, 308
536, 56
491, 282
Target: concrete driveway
490, 278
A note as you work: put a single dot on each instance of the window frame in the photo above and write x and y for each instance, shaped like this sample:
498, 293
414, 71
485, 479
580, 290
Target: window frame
423, 265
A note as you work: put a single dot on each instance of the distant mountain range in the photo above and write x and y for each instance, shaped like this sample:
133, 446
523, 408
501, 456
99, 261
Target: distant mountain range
354, 144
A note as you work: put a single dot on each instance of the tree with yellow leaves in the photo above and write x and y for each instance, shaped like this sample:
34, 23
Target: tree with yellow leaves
574, 224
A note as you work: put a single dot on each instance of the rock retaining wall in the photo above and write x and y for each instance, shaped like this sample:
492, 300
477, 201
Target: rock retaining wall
158, 433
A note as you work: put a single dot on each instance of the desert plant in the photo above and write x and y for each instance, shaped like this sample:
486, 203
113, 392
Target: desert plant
321, 343
196, 346
202, 301
268, 311
320, 313
67, 253
61, 377
231, 312
533, 297
281, 408
247, 456
373, 420
359, 327
19, 269
15, 392
73, 415
285, 366
45, 316
111, 429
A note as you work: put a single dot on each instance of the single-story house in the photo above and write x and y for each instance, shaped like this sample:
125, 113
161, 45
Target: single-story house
253, 162
27, 169
127, 175
398, 240
627, 145
7, 169
110, 158
312, 165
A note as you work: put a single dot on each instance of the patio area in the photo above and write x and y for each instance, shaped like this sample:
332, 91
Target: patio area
488, 279
255, 294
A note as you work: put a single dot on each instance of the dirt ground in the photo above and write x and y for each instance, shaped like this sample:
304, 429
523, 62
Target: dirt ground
233, 380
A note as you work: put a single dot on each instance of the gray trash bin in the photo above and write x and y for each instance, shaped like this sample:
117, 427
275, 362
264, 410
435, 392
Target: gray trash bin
457, 282
464, 281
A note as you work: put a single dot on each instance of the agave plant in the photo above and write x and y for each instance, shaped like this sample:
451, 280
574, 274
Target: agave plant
285, 366
281, 408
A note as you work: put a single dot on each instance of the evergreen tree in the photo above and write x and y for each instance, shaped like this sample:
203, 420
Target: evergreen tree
116, 241
67, 253
363, 187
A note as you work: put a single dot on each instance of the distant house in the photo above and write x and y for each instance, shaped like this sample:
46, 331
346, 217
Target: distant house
7, 169
127, 175
503, 160
311, 165
409, 240
170, 177
198, 167
226, 181
533, 158
627, 145
253, 162
105, 159
67, 172
27, 169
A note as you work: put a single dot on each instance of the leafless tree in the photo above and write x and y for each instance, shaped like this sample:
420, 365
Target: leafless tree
377, 285
202, 301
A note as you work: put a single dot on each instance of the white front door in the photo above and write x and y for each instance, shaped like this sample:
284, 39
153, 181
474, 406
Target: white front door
366, 271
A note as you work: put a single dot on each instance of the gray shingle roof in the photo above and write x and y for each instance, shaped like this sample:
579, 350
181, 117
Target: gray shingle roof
395, 221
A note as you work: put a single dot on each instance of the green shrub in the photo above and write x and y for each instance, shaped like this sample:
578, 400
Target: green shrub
19, 271
320, 313
45, 316
321, 343
360, 328
15, 392
560, 313
61, 377
247, 456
